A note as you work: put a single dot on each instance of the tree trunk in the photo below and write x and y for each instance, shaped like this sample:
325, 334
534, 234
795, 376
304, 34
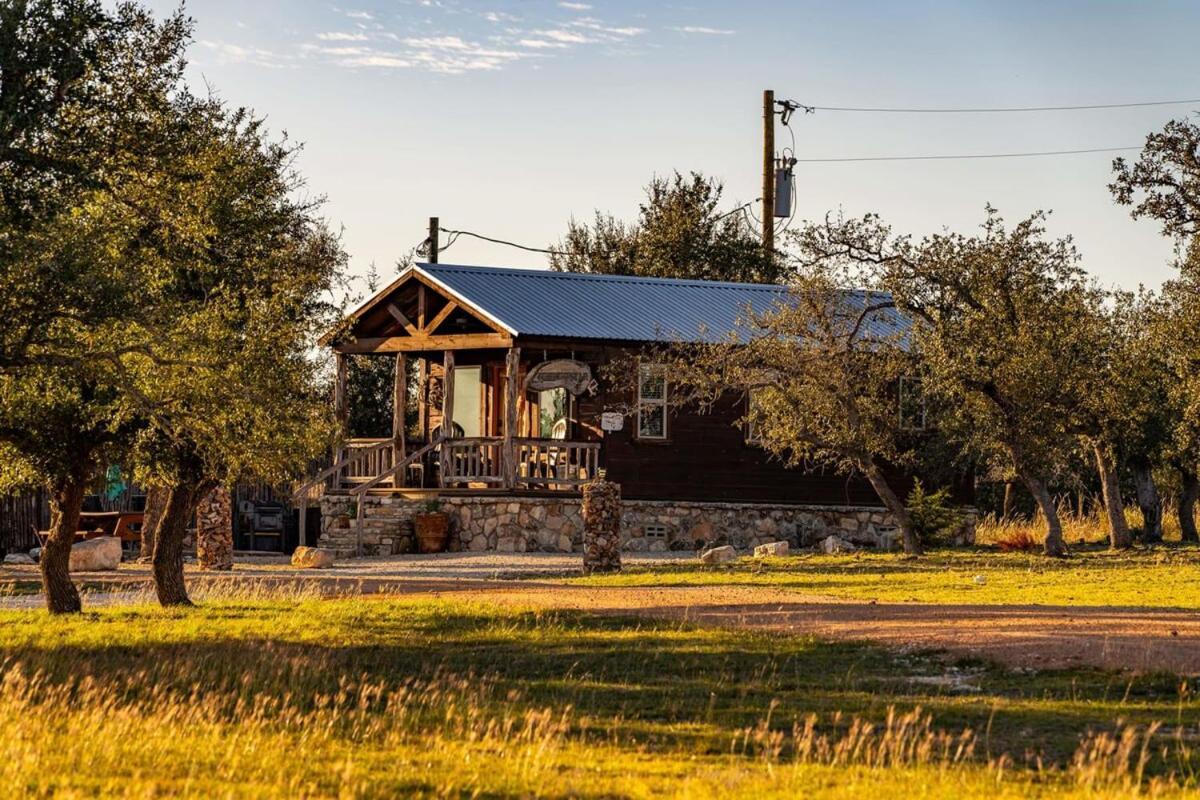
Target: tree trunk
1148, 500
1114, 506
156, 501
1009, 491
168, 547
1187, 504
65, 504
1054, 544
912, 544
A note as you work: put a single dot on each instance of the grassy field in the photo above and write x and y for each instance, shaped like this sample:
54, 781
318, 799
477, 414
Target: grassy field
1162, 577
361, 698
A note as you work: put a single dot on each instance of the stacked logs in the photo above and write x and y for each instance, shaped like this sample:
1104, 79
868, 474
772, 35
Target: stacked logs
214, 530
601, 526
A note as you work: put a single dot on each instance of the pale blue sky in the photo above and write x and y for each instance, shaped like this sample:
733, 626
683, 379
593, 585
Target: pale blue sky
509, 117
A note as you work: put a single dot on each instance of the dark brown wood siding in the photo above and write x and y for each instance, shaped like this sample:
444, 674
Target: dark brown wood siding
706, 457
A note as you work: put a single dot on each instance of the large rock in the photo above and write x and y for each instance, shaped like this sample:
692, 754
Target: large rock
96, 554
312, 558
772, 549
834, 544
718, 555
18, 558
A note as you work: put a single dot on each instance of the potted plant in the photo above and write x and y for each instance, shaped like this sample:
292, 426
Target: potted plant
432, 527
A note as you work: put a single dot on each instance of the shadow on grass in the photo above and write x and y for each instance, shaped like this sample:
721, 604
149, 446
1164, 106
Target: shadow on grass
661, 685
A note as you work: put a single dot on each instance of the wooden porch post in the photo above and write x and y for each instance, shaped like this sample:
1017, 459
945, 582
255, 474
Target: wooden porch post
339, 391
512, 364
447, 411
400, 415
423, 398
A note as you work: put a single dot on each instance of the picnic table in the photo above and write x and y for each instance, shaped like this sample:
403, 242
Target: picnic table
125, 525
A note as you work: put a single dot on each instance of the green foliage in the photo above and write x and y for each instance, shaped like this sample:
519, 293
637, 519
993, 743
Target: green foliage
818, 375
85, 97
1164, 183
243, 297
680, 233
1006, 334
934, 516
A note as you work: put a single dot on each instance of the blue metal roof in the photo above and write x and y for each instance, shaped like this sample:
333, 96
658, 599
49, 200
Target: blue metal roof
532, 302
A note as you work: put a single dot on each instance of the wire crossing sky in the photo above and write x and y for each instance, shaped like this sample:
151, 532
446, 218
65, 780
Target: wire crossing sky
508, 117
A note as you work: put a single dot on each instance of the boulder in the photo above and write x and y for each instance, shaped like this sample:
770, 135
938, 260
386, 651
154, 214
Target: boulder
834, 544
718, 555
312, 558
772, 549
36, 554
18, 558
96, 554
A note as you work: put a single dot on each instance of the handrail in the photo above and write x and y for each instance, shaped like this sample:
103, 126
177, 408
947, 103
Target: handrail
357, 453
360, 491
302, 492
363, 488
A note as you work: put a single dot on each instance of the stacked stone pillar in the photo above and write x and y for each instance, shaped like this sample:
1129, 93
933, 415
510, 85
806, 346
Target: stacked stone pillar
601, 526
214, 530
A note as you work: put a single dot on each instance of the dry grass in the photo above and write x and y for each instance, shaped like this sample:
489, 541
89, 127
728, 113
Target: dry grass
1087, 529
356, 698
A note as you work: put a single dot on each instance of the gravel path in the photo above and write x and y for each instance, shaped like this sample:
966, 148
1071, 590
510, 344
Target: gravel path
1029, 636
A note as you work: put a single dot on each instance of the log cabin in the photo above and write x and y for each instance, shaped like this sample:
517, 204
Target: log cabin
513, 418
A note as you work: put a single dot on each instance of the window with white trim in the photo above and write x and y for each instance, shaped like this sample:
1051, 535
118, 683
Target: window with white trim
652, 402
912, 405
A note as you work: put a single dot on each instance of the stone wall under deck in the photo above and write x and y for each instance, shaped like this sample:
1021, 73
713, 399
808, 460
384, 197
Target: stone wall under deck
521, 523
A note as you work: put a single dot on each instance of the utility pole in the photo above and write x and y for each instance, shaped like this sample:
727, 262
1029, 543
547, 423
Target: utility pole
434, 228
768, 172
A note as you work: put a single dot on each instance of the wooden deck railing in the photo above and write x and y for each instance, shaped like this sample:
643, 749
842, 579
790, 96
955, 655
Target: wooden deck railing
366, 459
473, 460
554, 463
363, 465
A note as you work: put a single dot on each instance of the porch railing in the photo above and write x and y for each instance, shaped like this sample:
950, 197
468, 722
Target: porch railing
554, 463
473, 460
363, 465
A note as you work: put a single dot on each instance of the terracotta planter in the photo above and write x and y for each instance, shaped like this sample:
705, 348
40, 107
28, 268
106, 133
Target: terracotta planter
433, 531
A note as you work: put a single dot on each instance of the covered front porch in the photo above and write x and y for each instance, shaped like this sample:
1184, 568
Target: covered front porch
475, 409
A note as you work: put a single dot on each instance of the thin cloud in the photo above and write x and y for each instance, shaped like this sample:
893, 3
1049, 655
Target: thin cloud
701, 29
228, 53
336, 36
575, 6
593, 24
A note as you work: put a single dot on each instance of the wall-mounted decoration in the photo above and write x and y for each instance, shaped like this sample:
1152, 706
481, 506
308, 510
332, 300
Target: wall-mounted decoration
562, 373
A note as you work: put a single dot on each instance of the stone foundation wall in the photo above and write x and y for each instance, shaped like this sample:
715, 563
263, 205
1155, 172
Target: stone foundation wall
549, 524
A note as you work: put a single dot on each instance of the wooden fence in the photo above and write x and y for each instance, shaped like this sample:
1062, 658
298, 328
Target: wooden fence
20, 516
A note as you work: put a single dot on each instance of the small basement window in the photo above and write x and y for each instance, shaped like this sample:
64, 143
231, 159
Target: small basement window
652, 402
655, 531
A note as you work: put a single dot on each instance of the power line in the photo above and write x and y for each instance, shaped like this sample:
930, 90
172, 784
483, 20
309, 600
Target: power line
998, 110
456, 234
966, 156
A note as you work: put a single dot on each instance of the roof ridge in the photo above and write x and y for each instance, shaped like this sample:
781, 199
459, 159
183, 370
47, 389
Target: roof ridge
601, 277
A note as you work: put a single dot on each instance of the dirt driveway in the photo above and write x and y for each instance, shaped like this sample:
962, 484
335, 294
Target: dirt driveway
1039, 637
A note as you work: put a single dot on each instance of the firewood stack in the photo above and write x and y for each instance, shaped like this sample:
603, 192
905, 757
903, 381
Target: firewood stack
214, 530
601, 526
